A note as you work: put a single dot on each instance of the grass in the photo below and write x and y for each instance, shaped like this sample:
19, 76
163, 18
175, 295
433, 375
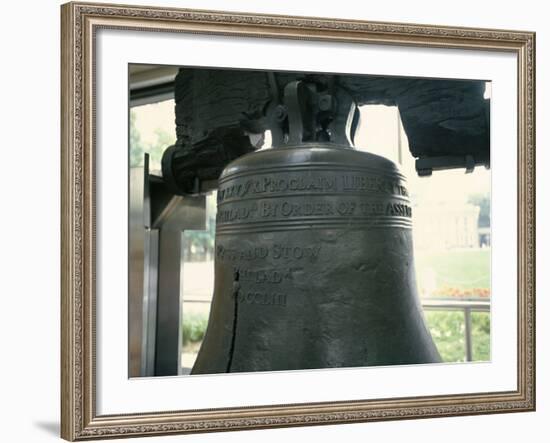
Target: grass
461, 273
462, 270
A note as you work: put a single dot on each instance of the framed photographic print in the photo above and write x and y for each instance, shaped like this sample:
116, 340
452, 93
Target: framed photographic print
283, 221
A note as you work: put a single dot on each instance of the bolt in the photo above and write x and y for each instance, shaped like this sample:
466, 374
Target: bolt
279, 113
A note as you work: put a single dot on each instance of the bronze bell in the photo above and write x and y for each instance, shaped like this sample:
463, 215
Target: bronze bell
314, 256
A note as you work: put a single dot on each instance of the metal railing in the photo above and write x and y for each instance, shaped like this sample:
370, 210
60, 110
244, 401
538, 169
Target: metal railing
467, 307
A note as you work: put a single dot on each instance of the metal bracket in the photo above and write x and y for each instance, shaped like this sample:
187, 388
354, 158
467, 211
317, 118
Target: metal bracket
157, 221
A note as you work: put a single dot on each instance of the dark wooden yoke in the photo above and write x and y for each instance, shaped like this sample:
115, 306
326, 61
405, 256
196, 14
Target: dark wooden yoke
218, 112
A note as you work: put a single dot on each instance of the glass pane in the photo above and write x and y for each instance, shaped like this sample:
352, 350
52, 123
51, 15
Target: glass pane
152, 130
451, 219
481, 336
198, 284
447, 329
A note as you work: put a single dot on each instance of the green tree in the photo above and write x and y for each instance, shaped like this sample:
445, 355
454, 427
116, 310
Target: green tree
155, 149
136, 145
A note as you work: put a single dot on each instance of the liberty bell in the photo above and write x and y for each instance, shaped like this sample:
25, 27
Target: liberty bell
314, 262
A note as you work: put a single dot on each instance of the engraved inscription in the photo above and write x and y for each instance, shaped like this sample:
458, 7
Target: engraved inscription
271, 184
276, 251
398, 209
270, 209
287, 209
262, 298
236, 213
250, 292
314, 198
287, 183
372, 184
264, 276
296, 252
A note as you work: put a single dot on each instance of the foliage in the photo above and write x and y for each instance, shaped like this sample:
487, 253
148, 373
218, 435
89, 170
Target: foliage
136, 146
201, 241
193, 328
481, 336
155, 149
447, 329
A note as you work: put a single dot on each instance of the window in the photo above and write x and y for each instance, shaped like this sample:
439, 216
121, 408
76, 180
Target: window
451, 216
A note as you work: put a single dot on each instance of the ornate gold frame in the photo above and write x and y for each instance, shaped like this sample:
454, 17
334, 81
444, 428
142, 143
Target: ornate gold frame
79, 420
